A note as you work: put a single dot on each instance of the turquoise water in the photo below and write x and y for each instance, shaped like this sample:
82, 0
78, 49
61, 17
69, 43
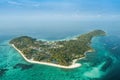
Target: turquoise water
91, 68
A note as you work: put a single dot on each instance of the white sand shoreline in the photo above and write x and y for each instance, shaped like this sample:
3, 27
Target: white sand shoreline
74, 64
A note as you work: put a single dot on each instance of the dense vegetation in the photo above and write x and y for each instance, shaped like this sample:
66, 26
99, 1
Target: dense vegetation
58, 52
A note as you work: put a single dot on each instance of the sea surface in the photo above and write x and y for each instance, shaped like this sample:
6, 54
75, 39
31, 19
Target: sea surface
103, 64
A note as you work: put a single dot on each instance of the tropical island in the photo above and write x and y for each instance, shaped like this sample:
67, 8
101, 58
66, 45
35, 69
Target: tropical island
63, 53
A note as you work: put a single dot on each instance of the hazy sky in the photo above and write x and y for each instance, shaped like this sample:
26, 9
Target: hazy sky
20, 14
14, 13
59, 7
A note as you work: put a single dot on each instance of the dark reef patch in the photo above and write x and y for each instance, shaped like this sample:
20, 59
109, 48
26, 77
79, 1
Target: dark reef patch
3, 71
113, 74
107, 64
23, 66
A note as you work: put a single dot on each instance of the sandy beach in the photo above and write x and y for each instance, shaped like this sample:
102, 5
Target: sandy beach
74, 64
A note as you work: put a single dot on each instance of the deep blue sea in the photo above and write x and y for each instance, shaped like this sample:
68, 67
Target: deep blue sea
103, 64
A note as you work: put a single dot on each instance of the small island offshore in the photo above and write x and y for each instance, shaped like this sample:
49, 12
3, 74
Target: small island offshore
62, 54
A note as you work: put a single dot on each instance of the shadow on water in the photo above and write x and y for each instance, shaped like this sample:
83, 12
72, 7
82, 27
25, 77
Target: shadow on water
23, 66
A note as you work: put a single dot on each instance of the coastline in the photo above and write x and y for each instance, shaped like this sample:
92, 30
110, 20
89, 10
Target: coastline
74, 64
